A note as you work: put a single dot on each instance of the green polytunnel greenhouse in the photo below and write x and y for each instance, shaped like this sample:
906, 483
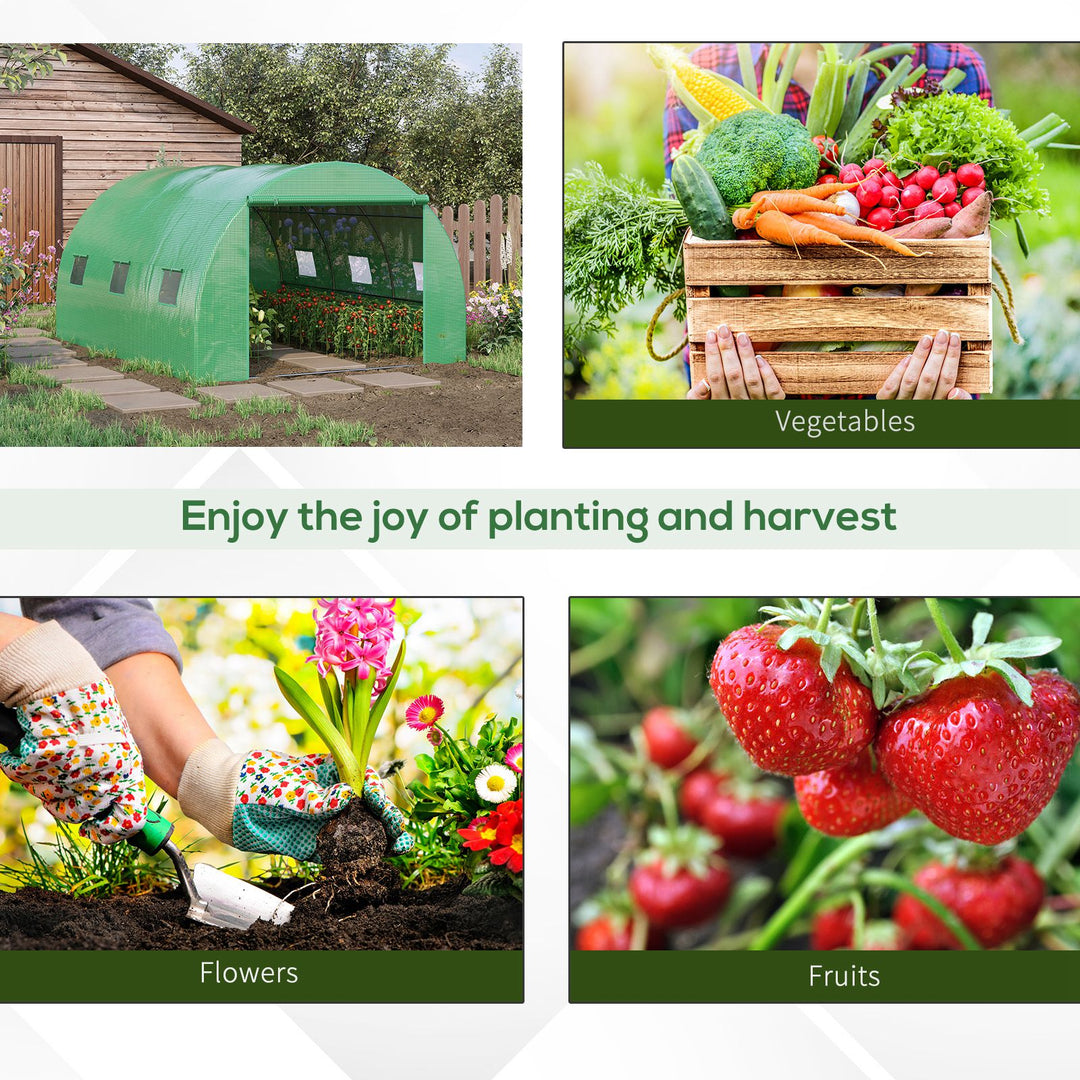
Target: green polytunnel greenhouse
158, 267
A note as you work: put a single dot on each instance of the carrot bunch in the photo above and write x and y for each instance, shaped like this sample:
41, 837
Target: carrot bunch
804, 217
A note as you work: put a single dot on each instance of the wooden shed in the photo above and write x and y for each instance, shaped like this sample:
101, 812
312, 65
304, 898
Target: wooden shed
96, 120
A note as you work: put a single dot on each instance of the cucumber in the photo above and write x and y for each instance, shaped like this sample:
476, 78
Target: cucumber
705, 209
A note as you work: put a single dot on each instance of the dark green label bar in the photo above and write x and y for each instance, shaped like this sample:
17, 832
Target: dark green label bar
944, 425
275, 977
828, 978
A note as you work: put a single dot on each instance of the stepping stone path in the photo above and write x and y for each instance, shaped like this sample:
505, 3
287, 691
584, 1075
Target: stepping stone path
242, 391
314, 386
392, 380
30, 347
312, 361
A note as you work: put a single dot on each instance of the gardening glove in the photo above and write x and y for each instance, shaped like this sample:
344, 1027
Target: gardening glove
272, 802
74, 750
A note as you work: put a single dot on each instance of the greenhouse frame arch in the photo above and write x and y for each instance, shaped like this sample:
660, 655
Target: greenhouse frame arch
158, 266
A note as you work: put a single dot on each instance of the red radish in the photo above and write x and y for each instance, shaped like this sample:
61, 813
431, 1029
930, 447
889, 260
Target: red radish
903, 216
909, 178
890, 178
890, 196
829, 178
970, 175
944, 190
952, 209
868, 193
928, 209
911, 196
971, 195
881, 218
851, 174
926, 177
874, 165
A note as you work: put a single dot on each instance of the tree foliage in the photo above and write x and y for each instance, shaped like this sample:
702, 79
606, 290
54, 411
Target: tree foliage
21, 64
155, 57
404, 108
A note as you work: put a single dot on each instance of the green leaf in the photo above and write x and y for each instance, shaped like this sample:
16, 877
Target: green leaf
1017, 683
1024, 648
425, 763
791, 635
980, 628
830, 660
339, 749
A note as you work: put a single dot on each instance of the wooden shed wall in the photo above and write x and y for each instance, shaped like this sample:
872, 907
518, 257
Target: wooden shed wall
112, 126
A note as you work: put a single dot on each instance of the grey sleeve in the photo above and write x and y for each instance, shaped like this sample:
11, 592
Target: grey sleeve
109, 628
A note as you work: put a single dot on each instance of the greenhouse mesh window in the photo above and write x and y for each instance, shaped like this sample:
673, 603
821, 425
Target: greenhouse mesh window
78, 269
170, 286
119, 277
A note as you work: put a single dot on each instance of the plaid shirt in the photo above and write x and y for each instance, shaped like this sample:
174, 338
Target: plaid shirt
723, 58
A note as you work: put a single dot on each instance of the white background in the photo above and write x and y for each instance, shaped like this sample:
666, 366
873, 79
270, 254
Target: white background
838, 1042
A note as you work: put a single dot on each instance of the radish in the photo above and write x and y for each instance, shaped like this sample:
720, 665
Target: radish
952, 209
874, 165
890, 196
970, 175
890, 179
868, 193
911, 196
926, 177
903, 216
971, 195
881, 218
851, 174
944, 190
928, 209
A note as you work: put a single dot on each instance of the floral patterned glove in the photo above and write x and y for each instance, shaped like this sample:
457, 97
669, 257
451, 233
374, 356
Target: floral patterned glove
75, 752
273, 802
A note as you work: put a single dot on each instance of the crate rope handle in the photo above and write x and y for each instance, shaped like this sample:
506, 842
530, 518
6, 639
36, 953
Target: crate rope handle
1008, 301
670, 298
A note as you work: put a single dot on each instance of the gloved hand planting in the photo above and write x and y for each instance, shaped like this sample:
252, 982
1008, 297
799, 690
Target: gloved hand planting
75, 751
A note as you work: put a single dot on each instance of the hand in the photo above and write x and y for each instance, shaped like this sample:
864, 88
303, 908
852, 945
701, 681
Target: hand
267, 801
929, 373
74, 750
734, 372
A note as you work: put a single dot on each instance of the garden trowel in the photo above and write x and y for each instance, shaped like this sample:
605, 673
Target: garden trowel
214, 898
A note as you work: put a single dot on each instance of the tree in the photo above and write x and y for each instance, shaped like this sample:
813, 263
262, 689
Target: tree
151, 56
21, 64
405, 109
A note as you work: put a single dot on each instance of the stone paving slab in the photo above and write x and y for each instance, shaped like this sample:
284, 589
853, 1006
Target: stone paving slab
25, 343
81, 373
29, 331
316, 362
152, 401
242, 391
51, 361
316, 385
392, 380
114, 387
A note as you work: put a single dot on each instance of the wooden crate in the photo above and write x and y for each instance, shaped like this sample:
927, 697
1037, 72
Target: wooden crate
713, 263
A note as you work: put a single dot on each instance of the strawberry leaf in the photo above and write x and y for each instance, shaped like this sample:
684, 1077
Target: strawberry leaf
1022, 648
830, 660
791, 635
1017, 683
980, 628
880, 691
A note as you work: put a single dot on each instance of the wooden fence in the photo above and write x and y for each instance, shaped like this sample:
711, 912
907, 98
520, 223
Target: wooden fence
487, 238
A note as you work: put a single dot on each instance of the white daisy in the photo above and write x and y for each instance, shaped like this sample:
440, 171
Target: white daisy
495, 783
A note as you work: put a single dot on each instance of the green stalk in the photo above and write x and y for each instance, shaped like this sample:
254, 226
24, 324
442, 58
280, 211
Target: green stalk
1062, 843
886, 52
375, 712
860, 130
800, 899
826, 612
363, 733
768, 73
947, 636
746, 67
888, 880
780, 87
858, 609
875, 629
853, 103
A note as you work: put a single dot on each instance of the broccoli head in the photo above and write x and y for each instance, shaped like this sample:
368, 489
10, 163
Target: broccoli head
757, 151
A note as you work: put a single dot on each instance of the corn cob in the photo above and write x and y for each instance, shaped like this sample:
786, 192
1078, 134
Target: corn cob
708, 95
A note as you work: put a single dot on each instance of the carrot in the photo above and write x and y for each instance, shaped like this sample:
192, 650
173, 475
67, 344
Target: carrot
743, 218
856, 232
793, 231
818, 191
795, 202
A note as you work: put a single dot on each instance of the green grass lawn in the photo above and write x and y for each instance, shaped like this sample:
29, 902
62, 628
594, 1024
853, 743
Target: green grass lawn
505, 359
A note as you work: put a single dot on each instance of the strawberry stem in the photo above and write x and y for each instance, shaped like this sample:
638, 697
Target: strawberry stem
857, 610
947, 636
890, 880
826, 612
875, 629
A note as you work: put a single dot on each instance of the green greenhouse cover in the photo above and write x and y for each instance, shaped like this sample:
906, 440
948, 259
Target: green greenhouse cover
158, 267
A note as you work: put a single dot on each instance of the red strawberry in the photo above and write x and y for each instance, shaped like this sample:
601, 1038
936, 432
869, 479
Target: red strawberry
667, 742
679, 880
850, 799
747, 826
607, 933
975, 759
695, 791
995, 903
783, 710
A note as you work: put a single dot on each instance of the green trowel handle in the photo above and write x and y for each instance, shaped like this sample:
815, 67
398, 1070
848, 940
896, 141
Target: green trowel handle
155, 834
